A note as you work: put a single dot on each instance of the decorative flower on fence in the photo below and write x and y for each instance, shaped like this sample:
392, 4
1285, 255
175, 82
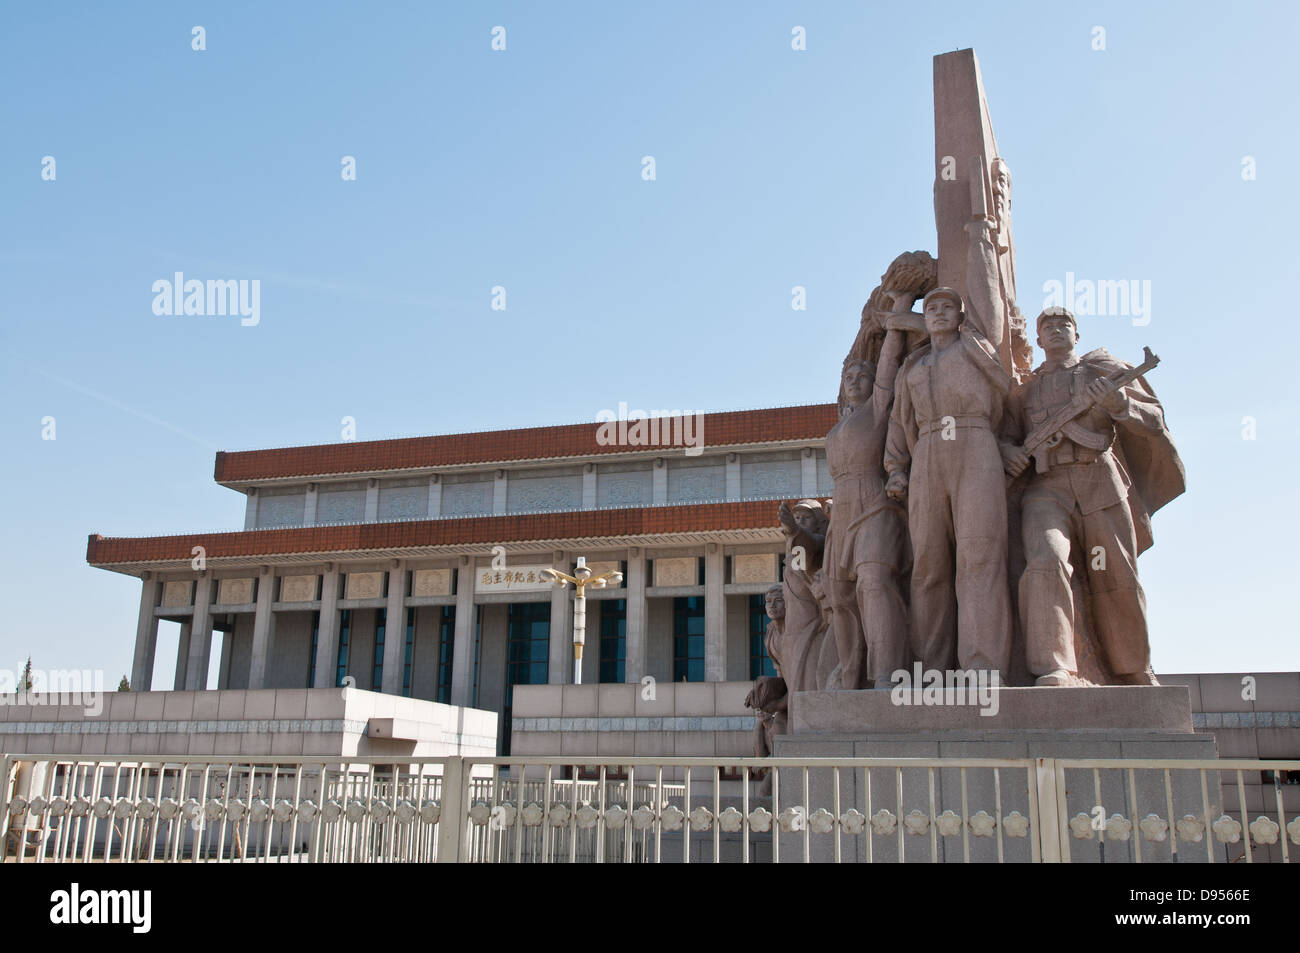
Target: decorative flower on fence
916, 823
355, 810
81, 806
587, 816
792, 819
1190, 828
59, 806
643, 817
18, 806
235, 811
214, 810
760, 820
123, 808
559, 815
616, 817
1081, 826
1119, 827
731, 820
480, 813
701, 818
1264, 829
982, 824
331, 811
1293, 830
381, 811
949, 824
283, 810
431, 811
853, 821
260, 810
1154, 828
672, 817
1227, 830
883, 823
102, 808
821, 821
37, 805
307, 811
1016, 825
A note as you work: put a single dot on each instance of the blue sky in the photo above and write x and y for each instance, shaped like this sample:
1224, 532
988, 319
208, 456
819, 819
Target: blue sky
522, 169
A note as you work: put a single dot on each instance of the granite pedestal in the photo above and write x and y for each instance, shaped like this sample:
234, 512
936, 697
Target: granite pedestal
1129, 722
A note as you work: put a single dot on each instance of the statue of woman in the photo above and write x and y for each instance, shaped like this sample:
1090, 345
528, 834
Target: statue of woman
866, 549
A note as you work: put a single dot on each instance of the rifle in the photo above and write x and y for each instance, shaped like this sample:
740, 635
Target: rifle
1048, 433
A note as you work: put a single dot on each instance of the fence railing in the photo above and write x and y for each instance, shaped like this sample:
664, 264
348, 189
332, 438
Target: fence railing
57, 808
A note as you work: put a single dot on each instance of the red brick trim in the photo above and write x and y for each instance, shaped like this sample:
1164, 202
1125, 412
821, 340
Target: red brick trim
461, 532
811, 421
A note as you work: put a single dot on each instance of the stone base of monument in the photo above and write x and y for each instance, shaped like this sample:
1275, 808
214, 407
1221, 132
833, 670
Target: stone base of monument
1120, 722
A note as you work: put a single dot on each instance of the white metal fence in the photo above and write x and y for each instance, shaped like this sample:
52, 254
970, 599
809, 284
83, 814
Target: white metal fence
641, 810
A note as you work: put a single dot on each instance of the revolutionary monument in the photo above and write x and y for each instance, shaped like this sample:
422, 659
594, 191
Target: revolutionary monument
987, 514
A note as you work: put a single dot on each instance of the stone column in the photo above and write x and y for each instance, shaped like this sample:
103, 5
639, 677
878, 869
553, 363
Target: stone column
309, 508
659, 482
733, 476
499, 488
715, 615
263, 630
560, 661
250, 509
327, 636
589, 486
200, 654
146, 635
462, 650
183, 656
435, 497
635, 632
372, 500
395, 633
808, 472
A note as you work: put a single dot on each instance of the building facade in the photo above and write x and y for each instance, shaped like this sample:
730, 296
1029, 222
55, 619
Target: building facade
412, 566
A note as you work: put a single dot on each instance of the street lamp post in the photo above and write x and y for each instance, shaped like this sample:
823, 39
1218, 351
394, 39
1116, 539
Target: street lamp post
581, 579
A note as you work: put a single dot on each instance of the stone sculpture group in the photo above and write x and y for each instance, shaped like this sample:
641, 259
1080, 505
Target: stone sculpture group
987, 516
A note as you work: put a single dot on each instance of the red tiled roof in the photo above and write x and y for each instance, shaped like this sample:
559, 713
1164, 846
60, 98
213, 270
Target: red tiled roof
810, 421
470, 531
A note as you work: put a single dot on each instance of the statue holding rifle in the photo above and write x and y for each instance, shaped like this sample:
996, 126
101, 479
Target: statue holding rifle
1102, 462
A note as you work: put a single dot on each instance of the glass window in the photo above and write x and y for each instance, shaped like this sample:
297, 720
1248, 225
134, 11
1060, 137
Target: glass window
345, 630
408, 653
759, 661
315, 644
528, 654
377, 667
446, 652
688, 639
613, 639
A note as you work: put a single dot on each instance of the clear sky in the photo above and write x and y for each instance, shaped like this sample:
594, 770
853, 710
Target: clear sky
522, 168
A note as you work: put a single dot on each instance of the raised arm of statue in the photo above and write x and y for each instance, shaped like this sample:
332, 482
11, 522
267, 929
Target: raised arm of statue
891, 356
984, 308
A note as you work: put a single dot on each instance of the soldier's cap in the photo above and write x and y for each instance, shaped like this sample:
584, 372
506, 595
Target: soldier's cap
814, 506
948, 293
1055, 313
